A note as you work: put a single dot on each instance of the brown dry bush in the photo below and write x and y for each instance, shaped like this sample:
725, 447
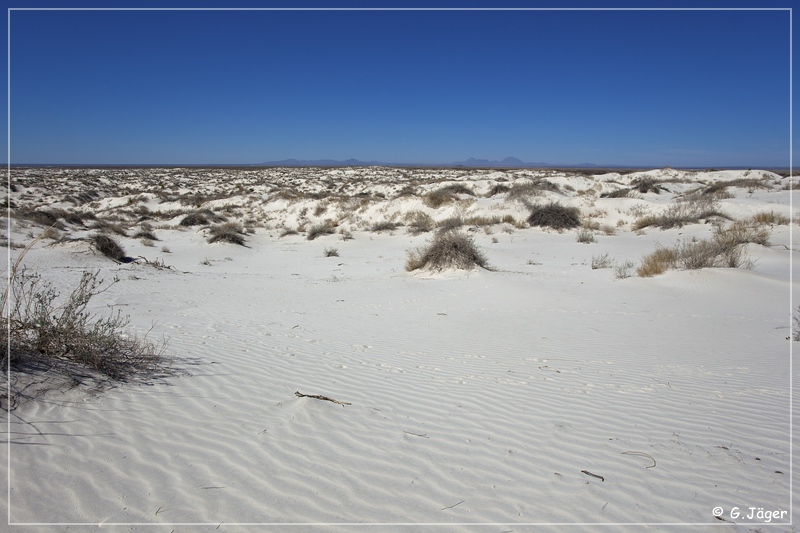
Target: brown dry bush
384, 225
201, 217
418, 222
554, 215
109, 247
657, 262
42, 335
724, 249
770, 218
525, 189
231, 232
646, 184
690, 210
318, 230
448, 250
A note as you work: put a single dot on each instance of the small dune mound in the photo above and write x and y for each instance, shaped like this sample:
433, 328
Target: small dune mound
448, 250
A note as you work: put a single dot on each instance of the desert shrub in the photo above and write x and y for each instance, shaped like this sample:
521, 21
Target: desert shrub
601, 261
657, 262
287, 231
331, 252
496, 189
618, 193
725, 249
44, 217
554, 215
408, 190
746, 183
109, 247
456, 189
647, 184
318, 230
770, 218
384, 225
108, 226
525, 189
436, 199
48, 333
231, 232
796, 325
623, 270
201, 217
418, 222
483, 221
741, 233
448, 250
144, 233
608, 229
450, 223
687, 211
50, 232
585, 236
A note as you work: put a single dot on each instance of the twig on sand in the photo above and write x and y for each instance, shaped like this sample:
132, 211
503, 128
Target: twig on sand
417, 435
643, 455
459, 503
601, 478
319, 397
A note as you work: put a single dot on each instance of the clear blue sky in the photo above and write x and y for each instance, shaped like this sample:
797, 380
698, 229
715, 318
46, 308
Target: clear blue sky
653, 88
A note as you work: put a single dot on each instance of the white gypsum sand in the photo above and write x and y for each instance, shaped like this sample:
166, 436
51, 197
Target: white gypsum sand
541, 391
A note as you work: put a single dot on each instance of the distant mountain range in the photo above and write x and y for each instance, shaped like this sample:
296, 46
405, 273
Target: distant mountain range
508, 162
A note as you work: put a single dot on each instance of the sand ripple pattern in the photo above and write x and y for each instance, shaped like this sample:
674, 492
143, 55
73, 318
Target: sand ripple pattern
460, 413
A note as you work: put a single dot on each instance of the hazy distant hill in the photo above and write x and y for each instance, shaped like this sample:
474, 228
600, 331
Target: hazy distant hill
508, 162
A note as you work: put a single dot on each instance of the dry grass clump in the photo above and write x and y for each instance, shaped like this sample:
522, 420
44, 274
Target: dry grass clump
44, 217
232, 232
483, 221
770, 218
418, 222
601, 261
145, 233
331, 252
647, 184
725, 249
618, 193
43, 335
657, 262
585, 236
496, 189
449, 223
109, 247
201, 217
525, 189
318, 230
750, 184
384, 225
554, 215
687, 211
447, 250
446, 194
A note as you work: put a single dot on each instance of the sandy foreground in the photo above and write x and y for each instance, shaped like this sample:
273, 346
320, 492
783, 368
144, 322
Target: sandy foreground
543, 391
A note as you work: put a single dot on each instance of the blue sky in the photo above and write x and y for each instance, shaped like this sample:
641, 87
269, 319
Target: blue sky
652, 88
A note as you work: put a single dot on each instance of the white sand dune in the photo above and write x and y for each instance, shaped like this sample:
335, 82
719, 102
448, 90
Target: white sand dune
543, 392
